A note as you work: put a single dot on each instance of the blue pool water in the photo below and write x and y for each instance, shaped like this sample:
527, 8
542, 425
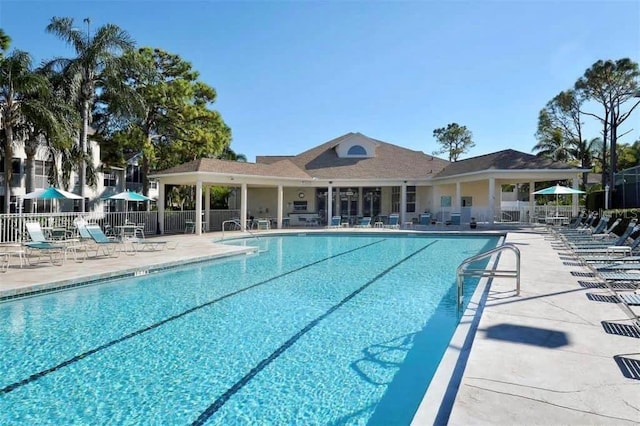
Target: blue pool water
312, 330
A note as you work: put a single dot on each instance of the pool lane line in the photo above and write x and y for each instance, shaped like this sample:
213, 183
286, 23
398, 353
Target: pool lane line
218, 403
83, 355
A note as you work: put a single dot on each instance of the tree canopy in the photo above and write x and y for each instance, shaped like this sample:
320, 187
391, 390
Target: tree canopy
454, 140
612, 86
167, 116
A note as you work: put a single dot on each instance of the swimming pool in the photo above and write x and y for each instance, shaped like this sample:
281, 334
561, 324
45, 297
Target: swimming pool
314, 329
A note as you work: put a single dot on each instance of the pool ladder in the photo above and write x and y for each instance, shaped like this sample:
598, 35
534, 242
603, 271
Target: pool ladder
464, 271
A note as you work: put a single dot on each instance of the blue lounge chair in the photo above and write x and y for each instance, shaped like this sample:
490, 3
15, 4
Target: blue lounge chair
40, 244
55, 252
335, 222
632, 228
425, 219
108, 245
394, 221
365, 222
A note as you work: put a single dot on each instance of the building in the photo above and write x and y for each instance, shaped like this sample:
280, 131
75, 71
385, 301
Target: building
110, 180
355, 175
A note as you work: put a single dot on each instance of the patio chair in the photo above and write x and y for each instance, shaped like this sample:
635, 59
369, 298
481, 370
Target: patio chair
394, 221
611, 252
587, 225
631, 229
630, 299
263, 224
40, 244
598, 232
335, 222
35, 232
365, 222
55, 252
108, 246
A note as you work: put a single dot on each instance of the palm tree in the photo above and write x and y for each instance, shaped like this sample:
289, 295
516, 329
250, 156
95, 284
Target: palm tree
95, 54
52, 127
585, 151
555, 146
20, 91
230, 154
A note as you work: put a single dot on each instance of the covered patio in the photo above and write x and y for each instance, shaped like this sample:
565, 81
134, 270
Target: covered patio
354, 176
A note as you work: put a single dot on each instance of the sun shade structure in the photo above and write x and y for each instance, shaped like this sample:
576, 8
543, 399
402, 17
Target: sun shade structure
558, 190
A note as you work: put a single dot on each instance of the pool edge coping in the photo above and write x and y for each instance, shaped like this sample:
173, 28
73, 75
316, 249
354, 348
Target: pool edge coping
437, 402
65, 284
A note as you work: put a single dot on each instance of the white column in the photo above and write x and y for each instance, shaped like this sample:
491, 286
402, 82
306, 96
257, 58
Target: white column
435, 203
574, 197
329, 203
458, 197
199, 207
403, 202
160, 204
492, 199
532, 202
243, 207
280, 206
338, 202
207, 206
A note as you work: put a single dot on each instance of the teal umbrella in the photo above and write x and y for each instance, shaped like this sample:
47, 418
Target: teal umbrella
558, 190
128, 196
51, 193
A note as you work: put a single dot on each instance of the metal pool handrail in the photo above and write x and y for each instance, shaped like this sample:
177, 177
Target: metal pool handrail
463, 271
235, 222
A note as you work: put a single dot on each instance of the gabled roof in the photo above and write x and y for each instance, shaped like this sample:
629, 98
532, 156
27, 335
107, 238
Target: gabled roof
507, 159
282, 168
390, 162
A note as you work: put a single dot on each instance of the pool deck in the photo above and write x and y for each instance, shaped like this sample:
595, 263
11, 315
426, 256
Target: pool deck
562, 352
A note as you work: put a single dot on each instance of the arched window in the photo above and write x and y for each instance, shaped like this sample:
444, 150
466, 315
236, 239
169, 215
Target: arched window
357, 150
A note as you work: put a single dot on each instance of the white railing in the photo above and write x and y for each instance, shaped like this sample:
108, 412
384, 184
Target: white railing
12, 227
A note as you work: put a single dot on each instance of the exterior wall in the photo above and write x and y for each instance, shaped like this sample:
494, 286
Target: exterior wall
423, 199
385, 200
261, 202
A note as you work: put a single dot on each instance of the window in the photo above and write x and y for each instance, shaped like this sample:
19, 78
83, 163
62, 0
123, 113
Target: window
153, 184
42, 173
445, 201
466, 201
411, 199
109, 179
16, 169
300, 206
395, 199
133, 174
15, 166
371, 201
357, 150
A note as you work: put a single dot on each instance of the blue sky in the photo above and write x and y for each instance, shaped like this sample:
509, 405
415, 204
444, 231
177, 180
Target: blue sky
293, 74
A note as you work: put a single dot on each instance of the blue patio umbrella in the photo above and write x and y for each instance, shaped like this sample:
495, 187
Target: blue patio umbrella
128, 196
51, 193
558, 190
